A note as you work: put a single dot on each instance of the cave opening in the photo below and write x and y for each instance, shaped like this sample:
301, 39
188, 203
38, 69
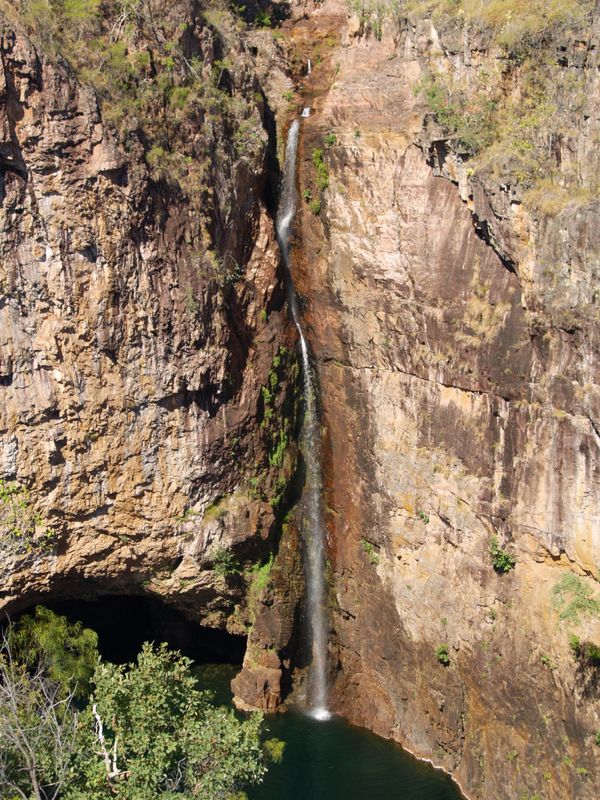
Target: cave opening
124, 622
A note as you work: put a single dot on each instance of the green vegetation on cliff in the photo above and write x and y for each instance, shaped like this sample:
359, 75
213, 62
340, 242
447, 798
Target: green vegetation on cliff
23, 531
512, 102
370, 552
225, 562
148, 69
518, 27
442, 654
573, 598
516, 104
502, 561
175, 84
279, 418
313, 194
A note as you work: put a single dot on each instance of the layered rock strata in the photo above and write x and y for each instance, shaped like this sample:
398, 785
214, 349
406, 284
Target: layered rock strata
148, 390
460, 392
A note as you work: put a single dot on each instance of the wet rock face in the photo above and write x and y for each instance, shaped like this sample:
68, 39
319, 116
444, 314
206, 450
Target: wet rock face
131, 376
458, 408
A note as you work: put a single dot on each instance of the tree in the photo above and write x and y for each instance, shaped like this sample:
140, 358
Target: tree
38, 730
68, 652
149, 732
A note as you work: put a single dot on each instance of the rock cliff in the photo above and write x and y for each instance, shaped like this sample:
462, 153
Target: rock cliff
148, 376
455, 326
149, 384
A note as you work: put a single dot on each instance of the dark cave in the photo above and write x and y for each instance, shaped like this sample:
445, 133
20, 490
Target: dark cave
124, 622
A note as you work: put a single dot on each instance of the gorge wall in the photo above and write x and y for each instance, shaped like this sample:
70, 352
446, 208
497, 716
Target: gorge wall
149, 382
150, 389
456, 333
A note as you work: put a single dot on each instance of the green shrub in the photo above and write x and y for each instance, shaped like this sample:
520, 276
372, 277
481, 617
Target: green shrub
321, 177
22, 529
56, 19
274, 750
260, 574
263, 19
583, 771
321, 168
502, 561
315, 206
442, 654
278, 449
598, 738
168, 733
572, 597
369, 551
225, 563
547, 661
147, 730
372, 14
423, 517
68, 651
592, 653
575, 644
467, 116
585, 650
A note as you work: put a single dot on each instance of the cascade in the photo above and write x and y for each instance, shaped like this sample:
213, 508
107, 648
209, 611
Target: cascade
308, 67
314, 530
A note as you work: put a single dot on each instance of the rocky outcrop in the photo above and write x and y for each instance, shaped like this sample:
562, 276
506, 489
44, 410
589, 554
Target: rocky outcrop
133, 358
460, 400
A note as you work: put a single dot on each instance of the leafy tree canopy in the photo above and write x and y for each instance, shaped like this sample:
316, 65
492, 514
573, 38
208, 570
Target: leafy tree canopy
67, 651
147, 731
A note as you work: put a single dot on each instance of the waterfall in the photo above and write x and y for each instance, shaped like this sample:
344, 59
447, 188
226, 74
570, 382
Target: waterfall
308, 67
310, 442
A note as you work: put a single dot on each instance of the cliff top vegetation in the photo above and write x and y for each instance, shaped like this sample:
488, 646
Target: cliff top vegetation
517, 26
176, 86
518, 105
172, 80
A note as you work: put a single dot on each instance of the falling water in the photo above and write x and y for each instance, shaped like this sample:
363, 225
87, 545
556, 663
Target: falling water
314, 525
308, 67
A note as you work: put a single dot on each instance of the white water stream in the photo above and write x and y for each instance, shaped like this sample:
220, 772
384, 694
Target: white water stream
314, 530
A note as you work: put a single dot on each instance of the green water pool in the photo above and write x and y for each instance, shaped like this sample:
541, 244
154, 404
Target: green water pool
336, 761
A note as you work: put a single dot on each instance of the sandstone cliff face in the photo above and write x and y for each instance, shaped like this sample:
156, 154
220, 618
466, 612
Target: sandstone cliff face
133, 357
460, 392
148, 393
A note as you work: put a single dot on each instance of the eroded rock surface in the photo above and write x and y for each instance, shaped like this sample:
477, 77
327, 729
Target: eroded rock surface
134, 358
460, 405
